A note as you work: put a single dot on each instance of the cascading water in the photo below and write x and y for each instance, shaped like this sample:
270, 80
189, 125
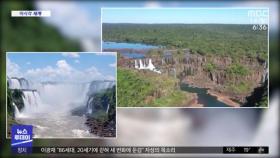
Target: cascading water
48, 107
18, 83
108, 107
136, 65
265, 74
89, 107
143, 66
17, 113
95, 87
32, 101
14, 83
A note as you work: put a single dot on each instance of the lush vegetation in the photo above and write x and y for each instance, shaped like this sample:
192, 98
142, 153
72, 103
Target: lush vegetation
177, 98
235, 83
219, 39
132, 88
210, 67
239, 88
237, 69
144, 88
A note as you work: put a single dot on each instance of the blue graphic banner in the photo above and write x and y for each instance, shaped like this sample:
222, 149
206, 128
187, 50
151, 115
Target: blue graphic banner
21, 139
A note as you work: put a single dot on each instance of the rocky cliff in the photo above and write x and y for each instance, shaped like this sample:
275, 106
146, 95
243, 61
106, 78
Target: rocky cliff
234, 77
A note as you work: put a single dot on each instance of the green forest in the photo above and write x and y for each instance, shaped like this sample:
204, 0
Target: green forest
218, 39
145, 89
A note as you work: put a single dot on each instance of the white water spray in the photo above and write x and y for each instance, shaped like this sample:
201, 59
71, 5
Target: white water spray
143, 66
17, 113
14, 84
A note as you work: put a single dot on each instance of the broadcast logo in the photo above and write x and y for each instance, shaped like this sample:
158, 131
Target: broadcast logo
21, 142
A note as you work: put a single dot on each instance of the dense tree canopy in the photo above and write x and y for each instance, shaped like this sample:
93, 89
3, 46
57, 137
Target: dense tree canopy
218, 39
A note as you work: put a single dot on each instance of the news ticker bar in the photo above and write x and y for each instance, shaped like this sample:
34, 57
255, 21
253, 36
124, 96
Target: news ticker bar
142, 150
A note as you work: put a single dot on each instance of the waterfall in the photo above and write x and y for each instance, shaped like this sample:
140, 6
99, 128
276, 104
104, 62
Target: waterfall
108, 107
143, 66
136, 65
14, 83
31, 100
18, 83
30, 97
89, 107
95, 87
265, 74
56, 97
17, 113
150, 65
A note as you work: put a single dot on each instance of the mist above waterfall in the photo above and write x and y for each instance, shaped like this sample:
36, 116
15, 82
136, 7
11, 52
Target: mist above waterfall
63, 97
56, 97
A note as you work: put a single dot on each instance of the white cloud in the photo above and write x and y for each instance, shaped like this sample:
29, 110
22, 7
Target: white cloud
113, 65
71, 54
109, 77
42, 73
63, 66
13, 70
64, 72
92, 71
77, 61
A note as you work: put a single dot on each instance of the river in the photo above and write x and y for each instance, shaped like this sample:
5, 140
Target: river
127, 49
123, 45
56, 125
203, 97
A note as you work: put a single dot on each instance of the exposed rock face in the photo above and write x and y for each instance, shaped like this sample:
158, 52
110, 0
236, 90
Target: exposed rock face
101, 109
107, 129
94, 88
195, 70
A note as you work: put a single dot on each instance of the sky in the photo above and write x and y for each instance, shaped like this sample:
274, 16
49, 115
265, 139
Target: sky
180, 15
62, 67
87, 15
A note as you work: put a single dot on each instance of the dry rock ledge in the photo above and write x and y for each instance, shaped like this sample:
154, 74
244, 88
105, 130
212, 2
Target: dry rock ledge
102, 129
223, 98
